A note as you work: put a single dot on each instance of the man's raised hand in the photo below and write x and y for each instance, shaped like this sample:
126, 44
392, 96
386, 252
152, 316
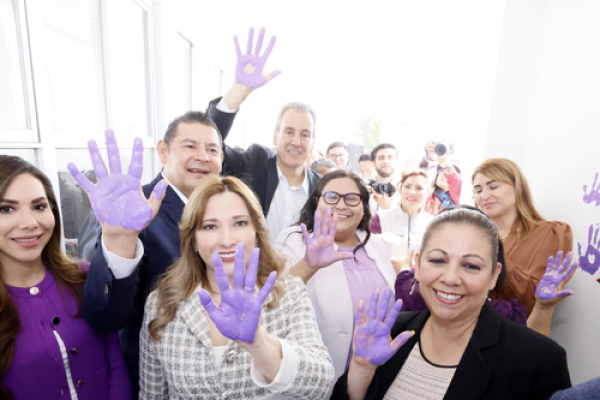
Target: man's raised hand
117, 199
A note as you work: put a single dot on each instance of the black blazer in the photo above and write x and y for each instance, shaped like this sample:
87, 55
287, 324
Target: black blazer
503, 360
111, 304
256, 166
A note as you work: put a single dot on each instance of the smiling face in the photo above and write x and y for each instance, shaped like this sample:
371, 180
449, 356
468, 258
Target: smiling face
496, 199
26, 223
455, 274
348, 217
226, 223
339, 156
194, 153
294, 139
412, 193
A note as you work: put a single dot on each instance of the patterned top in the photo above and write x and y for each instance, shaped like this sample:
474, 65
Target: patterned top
420, 379
182, 364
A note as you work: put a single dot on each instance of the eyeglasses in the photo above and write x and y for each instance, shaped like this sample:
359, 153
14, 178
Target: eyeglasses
351, 199
334, 156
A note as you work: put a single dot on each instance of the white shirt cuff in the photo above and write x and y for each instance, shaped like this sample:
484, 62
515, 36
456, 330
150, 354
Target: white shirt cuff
221, 106
286, 373
122, 267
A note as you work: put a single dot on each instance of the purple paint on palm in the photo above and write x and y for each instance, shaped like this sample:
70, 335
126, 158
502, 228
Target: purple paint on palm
239, 313
594, 194
320, 248
555, 275
590, 261
249, 66
372, 341
117, 198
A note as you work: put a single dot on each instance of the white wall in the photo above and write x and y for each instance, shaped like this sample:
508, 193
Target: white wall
545, 117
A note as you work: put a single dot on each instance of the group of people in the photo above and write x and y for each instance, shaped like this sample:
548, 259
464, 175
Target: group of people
241, 274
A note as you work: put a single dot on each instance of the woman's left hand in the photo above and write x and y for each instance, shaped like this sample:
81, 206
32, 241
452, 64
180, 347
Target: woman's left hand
549, 290
239, 313
403, 264
372, 343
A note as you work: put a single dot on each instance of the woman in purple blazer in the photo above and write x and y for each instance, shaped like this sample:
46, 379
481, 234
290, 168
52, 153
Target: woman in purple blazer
46, 348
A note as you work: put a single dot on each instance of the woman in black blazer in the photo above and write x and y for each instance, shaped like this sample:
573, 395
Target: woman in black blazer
461, 348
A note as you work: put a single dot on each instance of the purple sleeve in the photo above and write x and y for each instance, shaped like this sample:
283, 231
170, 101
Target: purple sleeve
119, 385
511, 310
410, 302
375, 225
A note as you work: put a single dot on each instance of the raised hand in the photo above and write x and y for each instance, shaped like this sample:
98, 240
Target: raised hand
551, 285
117, 199
239, 313
594, 194
249, 66
372, 343
320, 249
592, 251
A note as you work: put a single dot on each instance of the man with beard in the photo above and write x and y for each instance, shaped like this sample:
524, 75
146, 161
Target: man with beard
385, 158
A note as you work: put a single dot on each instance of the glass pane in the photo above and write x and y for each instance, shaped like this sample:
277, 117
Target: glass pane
184, 77
12, 95
26, 154
74, 56
128, 67
216, 77
79, 222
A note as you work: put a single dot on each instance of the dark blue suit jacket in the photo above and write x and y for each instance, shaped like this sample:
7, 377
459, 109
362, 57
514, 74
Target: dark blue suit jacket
111, 304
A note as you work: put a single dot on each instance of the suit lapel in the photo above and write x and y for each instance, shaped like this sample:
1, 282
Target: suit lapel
194, 316
473, 374
172, 205
272, 182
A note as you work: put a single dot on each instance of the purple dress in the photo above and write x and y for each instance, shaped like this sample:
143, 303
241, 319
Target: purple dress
38, 371
511, 310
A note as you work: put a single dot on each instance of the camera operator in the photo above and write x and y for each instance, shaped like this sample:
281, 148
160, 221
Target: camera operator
446, 187
429, 163
385, 158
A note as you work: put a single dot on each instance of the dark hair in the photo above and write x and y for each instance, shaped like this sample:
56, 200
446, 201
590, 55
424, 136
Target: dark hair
382, 146
190, 117
364, 157
307, 215
465, 214
336, 144
316, 165
65, 271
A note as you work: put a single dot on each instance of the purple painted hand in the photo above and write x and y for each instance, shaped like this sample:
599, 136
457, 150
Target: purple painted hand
551, 284
249, 67
117, 198
594, 194
372, 342
320, 249
590, 261
239, 314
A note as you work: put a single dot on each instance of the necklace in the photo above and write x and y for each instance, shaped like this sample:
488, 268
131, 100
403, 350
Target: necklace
505, 236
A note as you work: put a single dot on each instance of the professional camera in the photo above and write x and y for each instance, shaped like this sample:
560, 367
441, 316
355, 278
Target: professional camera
443, 147
382, 188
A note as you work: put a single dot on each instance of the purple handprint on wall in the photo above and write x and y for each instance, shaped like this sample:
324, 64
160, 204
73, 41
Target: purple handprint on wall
594, 194
249, 67
590, 261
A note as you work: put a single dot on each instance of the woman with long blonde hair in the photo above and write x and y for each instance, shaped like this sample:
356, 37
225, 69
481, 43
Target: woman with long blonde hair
502, 192
226, 341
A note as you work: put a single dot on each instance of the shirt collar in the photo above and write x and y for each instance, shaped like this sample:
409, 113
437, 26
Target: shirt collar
181, 196
304, 184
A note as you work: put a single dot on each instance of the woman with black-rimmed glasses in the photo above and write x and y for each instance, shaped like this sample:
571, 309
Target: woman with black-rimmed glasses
332, 250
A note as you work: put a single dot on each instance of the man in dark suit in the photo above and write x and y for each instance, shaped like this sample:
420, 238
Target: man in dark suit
279, 177
127, 263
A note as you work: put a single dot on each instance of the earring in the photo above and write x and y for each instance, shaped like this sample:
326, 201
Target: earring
412, 288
